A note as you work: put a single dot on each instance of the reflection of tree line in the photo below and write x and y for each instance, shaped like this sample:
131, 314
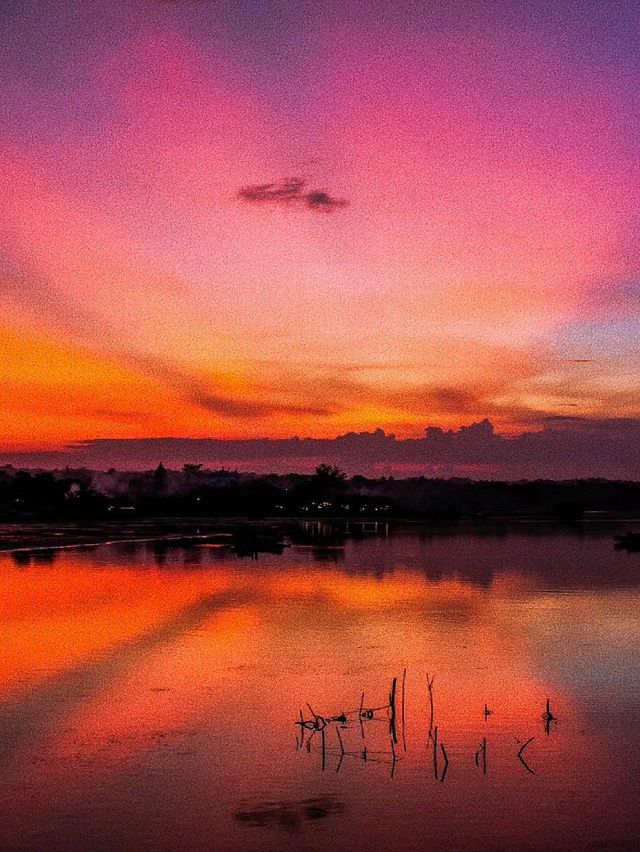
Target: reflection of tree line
325, 541
242, 539
314, 730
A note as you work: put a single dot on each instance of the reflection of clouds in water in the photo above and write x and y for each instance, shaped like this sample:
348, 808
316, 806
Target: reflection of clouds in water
288, 815
42, 705
591, 648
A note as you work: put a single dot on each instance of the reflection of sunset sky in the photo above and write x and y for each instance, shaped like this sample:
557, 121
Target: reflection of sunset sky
82, 619
490, 162
198, 721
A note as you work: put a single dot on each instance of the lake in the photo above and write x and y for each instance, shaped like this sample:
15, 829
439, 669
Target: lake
163, 697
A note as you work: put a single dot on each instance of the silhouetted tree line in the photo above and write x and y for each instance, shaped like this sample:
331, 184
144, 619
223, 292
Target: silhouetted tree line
42, 495
197, 492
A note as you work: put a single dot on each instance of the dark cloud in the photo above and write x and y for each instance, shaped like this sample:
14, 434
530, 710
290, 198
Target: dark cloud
291, 191
318, 200
567, 448
284, 191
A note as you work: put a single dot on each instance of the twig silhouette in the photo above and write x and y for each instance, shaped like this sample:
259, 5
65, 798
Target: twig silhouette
318, 723
435, 752
521, 758
404, 737
482, 751
341, 750
301, 723
446, 763
548, 718
431, 710
392, 710
387, 714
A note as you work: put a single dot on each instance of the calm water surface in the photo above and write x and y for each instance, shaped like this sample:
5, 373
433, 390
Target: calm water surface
148, 696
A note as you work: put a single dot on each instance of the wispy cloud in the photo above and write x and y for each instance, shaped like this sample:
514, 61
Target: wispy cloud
241, 408
88, 332
206, 393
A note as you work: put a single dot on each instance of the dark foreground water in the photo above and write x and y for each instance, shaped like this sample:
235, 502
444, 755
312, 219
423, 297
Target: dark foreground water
149, 696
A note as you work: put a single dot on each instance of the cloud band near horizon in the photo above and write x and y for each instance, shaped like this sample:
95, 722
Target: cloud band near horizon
570, 449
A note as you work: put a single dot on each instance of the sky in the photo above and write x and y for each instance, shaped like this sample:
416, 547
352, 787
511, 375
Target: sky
247, 220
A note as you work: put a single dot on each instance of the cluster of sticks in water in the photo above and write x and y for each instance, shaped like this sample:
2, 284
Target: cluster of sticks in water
317, 725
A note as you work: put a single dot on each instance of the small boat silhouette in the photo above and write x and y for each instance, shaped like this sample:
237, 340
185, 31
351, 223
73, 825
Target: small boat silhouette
251, 540
629, 541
